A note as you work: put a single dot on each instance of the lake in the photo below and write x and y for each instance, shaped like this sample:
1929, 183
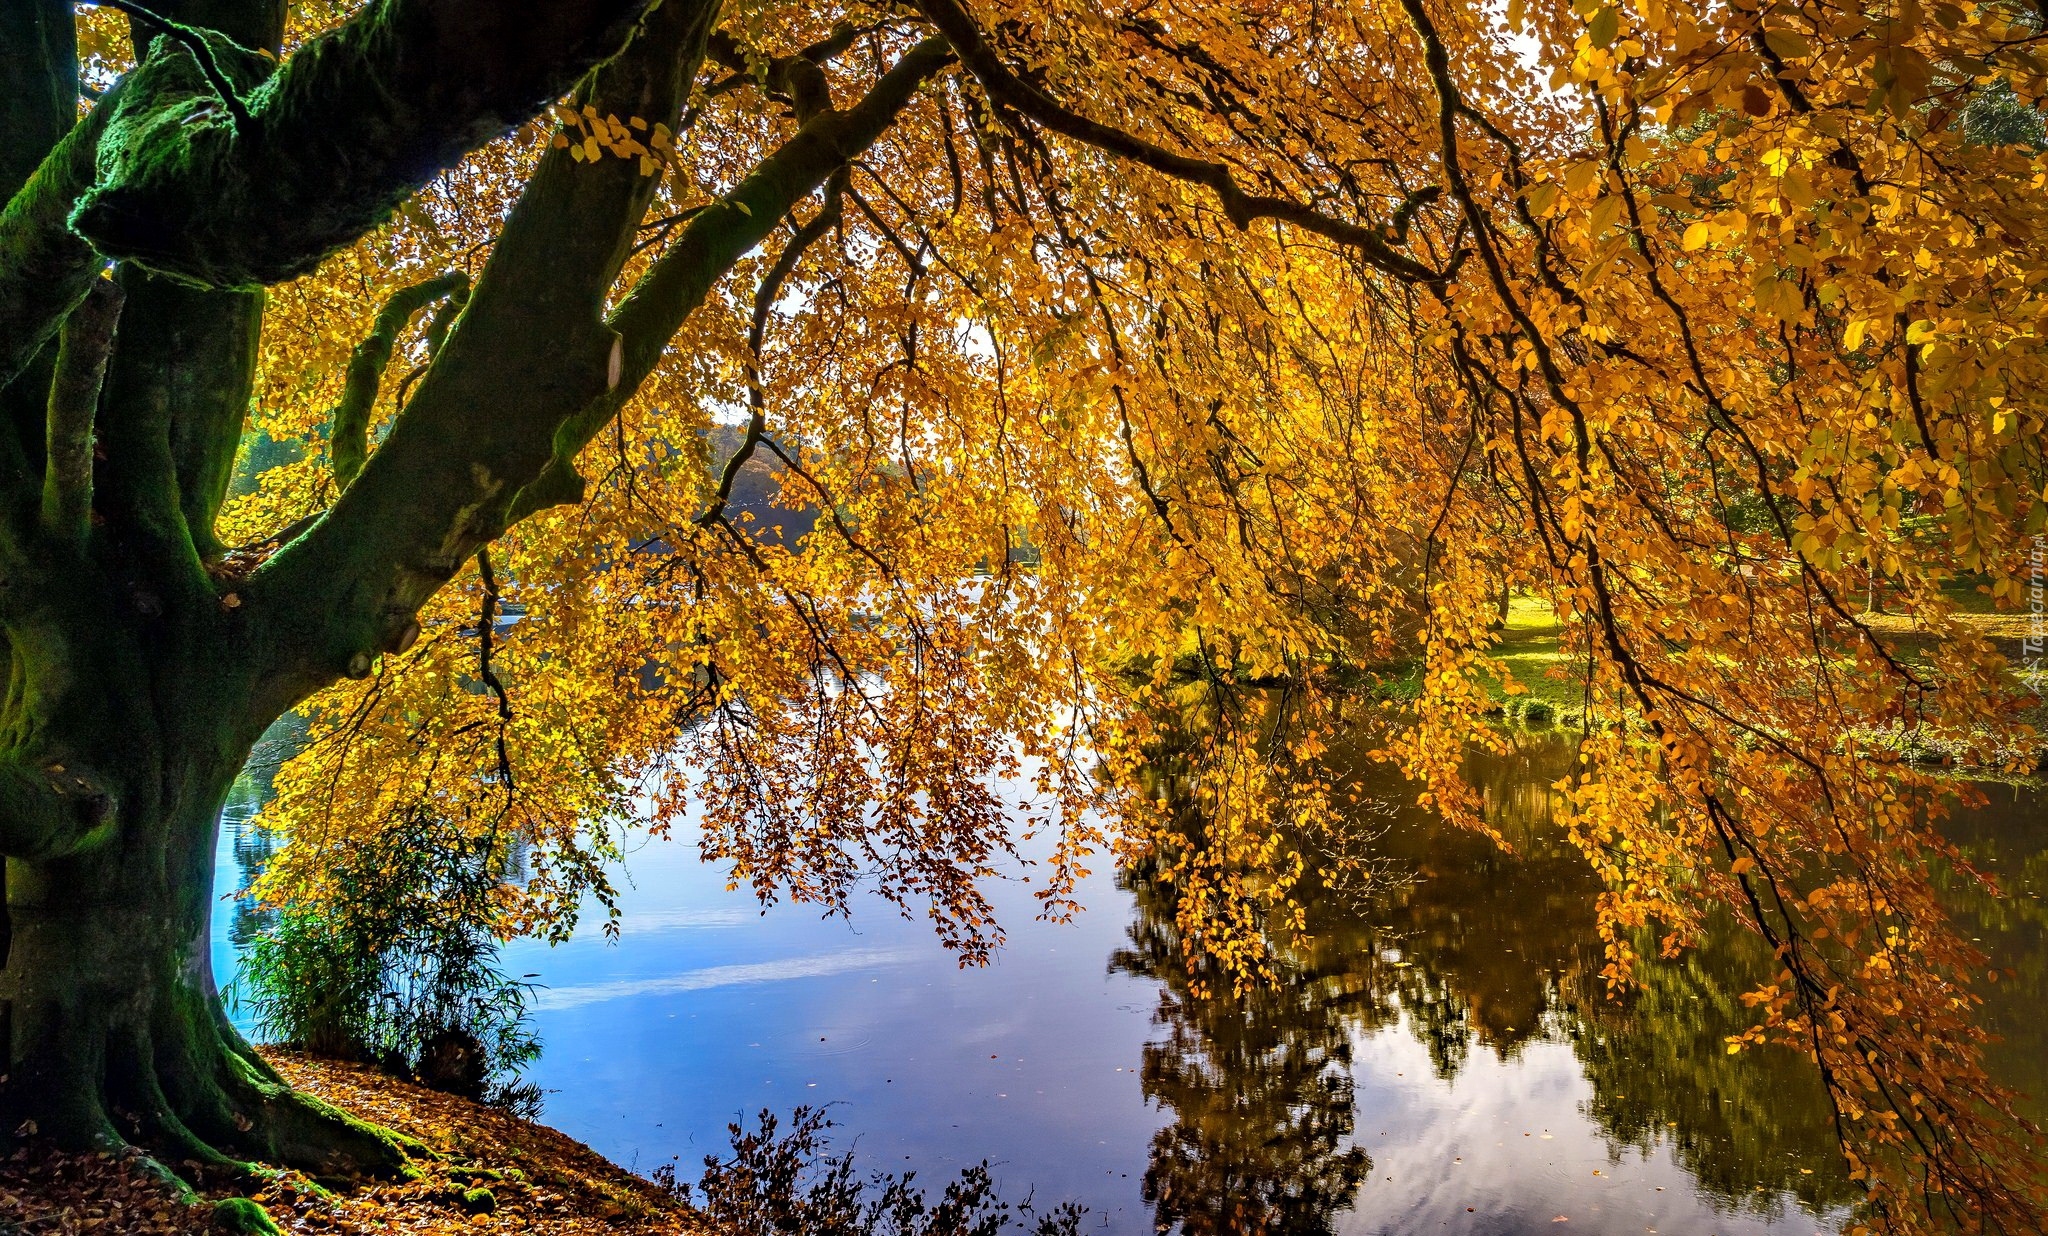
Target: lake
1440, 1057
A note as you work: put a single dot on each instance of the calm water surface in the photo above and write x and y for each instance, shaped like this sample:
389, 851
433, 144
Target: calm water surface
1439, 1059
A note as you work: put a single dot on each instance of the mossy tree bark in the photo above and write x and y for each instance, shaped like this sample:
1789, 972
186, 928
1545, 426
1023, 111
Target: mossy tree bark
142, 667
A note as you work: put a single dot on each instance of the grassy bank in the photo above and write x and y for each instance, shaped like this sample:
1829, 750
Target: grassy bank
480, 1169
1555, 684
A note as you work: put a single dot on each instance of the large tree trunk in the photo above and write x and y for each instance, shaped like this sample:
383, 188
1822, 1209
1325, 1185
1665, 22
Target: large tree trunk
113, 1030
115, 1033
138, 678
140, 670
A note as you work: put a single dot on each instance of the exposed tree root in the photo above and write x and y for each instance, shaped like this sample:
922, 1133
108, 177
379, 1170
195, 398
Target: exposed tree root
240, 1215
189, 1096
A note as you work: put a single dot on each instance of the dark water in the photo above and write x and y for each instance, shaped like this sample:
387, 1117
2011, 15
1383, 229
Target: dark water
1440, 1058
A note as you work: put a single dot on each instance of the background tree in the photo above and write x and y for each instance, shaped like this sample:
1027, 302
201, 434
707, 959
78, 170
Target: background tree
1239, 318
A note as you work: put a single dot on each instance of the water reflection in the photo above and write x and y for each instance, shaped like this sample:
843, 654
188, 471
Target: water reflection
1259, 1086
2006, 837
250, 850
1469, 950
1438, 1057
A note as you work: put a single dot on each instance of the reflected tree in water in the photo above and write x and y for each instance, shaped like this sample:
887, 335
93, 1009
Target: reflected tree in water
1508, 936
1751, 1129
2005, 838
1471, 945
1258, 1084
253, 847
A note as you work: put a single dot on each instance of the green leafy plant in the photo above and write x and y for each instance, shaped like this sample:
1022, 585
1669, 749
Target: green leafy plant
398, 964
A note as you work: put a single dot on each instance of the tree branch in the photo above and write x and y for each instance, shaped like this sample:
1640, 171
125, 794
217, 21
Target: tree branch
45, 268
196, 45
794, 77
764, 303
1239, 207
252, 23
157, 175
530, 346
349, 422
486, 631
87, 340
187, 190
500, 416
716, 238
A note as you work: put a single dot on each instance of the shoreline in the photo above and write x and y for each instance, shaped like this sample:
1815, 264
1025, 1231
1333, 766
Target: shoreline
494, 1172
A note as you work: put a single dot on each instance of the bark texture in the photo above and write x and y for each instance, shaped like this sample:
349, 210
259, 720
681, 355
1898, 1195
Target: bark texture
138, 679
134, 246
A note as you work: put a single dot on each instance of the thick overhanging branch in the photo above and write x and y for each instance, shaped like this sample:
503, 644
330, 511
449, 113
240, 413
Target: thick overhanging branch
187, 190
45, 268
156, 173
530, 346
86, 341
200, 47
515, 393
349, 422
1240, 207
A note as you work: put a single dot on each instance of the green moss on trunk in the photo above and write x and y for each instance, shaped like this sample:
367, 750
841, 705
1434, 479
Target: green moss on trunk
114, 1031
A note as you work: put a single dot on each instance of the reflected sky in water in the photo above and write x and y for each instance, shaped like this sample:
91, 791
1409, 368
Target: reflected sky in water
1437, 1059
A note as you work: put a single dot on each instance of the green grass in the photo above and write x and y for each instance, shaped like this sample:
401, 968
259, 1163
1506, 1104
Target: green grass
1529, 648
1555, 684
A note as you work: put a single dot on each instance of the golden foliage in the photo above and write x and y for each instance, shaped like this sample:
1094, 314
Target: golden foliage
1689, 319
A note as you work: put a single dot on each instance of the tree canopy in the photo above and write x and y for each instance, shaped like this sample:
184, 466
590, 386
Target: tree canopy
1126, 362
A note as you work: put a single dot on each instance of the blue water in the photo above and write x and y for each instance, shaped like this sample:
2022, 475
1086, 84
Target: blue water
1447, 1038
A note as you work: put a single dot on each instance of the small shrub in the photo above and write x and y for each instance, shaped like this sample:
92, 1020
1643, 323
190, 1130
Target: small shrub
399, 965
1538, 712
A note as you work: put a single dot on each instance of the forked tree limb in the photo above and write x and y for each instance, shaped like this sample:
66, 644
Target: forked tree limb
349, 422
159, 175
87, 339
494, 428
519, 358
717, 237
